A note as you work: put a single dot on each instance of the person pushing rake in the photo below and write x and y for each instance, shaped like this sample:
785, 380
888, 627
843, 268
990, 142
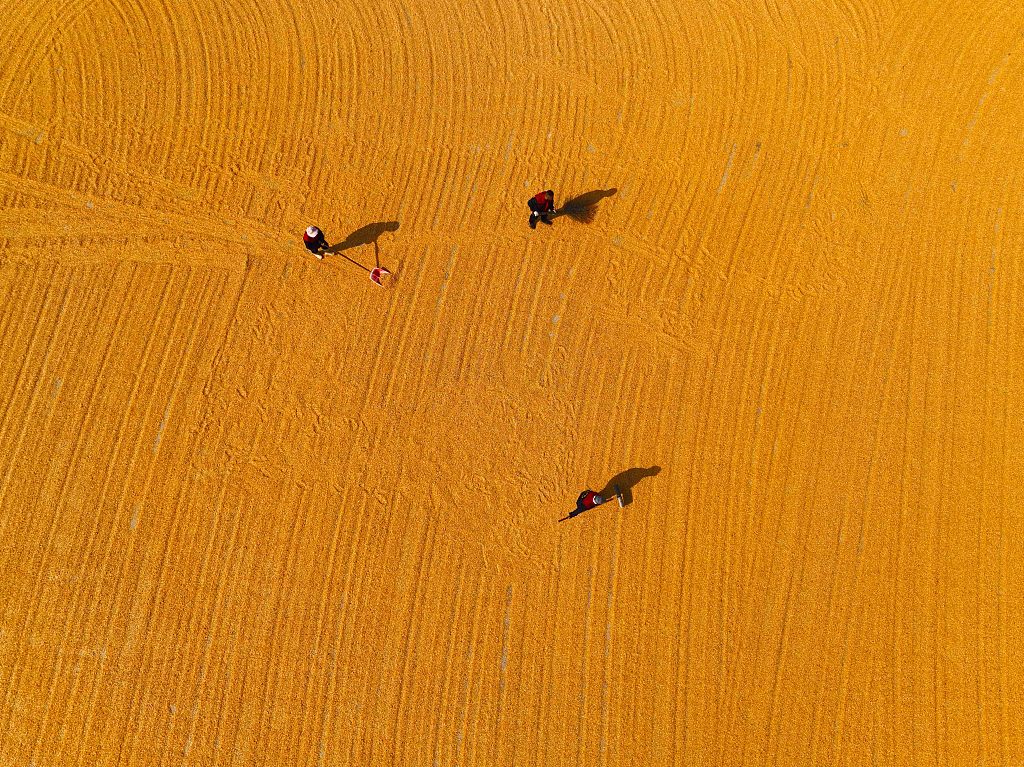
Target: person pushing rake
588, 500
315, 241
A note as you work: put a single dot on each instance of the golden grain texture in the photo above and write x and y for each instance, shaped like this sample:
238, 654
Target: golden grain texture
256, 511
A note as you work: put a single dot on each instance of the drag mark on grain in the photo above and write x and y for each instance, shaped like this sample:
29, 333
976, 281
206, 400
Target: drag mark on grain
728, 167
608, 679
14, 680
503, 661
160, 429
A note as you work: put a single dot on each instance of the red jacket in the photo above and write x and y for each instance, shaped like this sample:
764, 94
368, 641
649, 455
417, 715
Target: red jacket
543, 204
587, 500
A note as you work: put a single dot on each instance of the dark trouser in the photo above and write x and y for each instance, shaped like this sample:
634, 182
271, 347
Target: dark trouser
537, 214
316, 245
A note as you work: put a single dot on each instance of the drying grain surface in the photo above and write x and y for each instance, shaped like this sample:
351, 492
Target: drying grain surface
255, 510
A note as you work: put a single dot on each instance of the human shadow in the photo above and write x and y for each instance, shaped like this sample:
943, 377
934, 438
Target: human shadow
364, 235
583, 207
626, 481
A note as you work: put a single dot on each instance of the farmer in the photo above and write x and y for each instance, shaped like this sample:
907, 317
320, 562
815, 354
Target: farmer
541, 207
588, 500
315, 241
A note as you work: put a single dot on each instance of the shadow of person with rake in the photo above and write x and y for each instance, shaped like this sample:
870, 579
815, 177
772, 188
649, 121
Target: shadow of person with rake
365, 235
624, 482
619, 487
583, 207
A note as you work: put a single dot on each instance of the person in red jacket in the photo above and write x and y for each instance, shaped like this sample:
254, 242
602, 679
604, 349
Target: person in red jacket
315, 241
542, 206
588, 500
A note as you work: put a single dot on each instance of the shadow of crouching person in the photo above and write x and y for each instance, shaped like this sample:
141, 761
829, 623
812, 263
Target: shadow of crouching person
583, 207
